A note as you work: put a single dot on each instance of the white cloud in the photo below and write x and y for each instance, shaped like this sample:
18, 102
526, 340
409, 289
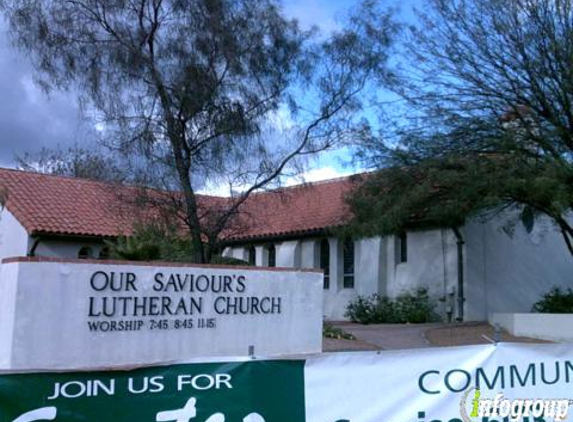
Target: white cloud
216, 189
317, 175
313, 175
311, 13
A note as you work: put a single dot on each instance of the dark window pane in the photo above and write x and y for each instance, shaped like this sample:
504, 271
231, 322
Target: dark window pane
85, 253
252, 256
325, 261
403, 247
272, 256
348, 258
104, 253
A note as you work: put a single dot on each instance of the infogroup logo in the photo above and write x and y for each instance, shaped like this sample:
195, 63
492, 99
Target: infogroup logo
514, 409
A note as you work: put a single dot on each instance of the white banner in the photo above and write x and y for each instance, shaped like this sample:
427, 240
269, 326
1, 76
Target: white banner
442, 384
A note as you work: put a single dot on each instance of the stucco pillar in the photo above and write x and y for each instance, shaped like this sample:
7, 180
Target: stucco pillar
336, 265
261, 256
288, 254
227, 252
383, 267
241, 253
309, 257
391, 283
367, 266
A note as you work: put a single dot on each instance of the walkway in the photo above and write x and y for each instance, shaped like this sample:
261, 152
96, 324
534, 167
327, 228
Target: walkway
391, 336
415, 336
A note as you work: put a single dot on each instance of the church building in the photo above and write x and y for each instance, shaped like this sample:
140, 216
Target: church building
488, 271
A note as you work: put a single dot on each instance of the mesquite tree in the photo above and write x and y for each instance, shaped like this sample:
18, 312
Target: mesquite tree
198, 85
486, 118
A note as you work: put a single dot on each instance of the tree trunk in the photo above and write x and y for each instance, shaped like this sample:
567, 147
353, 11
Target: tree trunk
191, 212
183, 166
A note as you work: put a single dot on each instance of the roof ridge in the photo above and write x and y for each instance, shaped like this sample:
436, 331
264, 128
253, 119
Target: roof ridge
55, 176
86, 180
128, 185
315, 183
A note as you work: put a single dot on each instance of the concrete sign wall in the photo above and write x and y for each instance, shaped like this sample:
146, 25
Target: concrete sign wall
79, 314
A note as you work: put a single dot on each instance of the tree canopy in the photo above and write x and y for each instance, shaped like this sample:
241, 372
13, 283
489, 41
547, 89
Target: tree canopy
78, 162
484, 122
198, 86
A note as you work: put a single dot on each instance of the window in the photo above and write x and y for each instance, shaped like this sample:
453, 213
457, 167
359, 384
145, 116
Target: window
325, 262
85, 253
252, 256
402, 248
348, 259
272, 262
104, 253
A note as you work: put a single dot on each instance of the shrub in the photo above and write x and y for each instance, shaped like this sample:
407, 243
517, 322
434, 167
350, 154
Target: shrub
556, 301
361, 310
152, 242
157, 242
416, 307
227, 260
134, 249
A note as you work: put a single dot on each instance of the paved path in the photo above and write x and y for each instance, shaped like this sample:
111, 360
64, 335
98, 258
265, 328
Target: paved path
391, 336
415, 336
335, 345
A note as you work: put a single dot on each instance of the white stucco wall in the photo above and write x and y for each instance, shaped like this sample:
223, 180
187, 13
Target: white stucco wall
431, 263
309, 254
508, 274
145, 325
13, 236
15, 241
66, 249
8, 292
552, 327
368, 259
289, 254
336, 298
369, 264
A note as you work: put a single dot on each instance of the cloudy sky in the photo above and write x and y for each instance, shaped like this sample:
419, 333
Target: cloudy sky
30, 119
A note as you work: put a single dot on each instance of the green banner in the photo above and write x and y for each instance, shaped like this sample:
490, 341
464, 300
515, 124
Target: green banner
256, 391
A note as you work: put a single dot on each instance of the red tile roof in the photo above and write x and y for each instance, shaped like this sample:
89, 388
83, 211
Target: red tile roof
46, 204
297, 210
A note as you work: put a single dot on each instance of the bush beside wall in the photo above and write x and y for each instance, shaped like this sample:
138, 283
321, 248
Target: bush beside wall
412, 307
556, 301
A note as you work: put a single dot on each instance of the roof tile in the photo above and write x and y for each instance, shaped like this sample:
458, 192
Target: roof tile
46, 204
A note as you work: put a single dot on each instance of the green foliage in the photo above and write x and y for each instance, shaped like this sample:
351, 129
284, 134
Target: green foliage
556, 301
152, 242
133, 249
445, 192
411, 307
329, 331
362, 309
155, 242
397, 199
93, 164
484, 129
193, 86
227, 260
